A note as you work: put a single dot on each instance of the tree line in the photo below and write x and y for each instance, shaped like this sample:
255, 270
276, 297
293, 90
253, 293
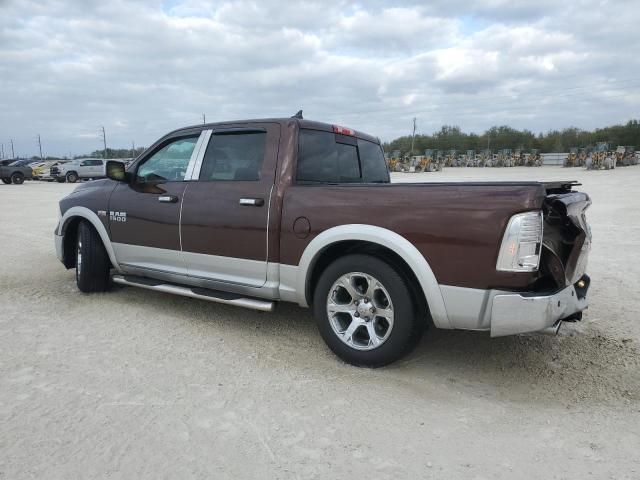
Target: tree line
111, 153
451, 137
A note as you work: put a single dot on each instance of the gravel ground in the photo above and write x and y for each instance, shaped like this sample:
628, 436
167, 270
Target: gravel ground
135, 384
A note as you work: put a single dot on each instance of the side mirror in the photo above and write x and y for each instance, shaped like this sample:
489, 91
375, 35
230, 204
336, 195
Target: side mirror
116, 171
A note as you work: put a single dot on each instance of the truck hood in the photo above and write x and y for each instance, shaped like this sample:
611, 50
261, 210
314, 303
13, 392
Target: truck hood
93, 185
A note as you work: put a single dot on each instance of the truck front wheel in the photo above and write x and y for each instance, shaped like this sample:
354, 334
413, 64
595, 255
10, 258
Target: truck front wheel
364, 311
92, 261
72, 177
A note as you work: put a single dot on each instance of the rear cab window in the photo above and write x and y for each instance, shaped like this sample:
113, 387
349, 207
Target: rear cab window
327, 157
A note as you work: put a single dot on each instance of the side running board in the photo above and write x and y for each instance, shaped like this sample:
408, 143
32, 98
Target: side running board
194, 292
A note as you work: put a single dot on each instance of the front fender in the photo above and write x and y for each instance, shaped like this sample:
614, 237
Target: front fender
90, 216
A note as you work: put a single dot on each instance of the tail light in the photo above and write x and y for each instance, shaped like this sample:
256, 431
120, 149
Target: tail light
521, 244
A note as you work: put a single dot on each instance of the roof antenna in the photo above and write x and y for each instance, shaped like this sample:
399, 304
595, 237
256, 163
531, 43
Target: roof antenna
298, 115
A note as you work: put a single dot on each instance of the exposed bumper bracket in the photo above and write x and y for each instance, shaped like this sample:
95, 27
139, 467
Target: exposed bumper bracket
516, 313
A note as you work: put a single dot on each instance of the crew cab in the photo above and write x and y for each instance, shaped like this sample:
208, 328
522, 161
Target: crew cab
80, 168
15, 172
251, 213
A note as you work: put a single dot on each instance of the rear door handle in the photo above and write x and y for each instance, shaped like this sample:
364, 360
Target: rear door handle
252, 202
167, 199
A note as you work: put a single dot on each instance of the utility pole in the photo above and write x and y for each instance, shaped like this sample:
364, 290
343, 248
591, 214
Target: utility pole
104, 140
204, 119
40, 147
413, 136
1, 151
133, 149
13, 155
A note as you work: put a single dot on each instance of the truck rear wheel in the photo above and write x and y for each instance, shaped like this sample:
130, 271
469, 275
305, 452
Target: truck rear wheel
92, 261
364, 311
17, 178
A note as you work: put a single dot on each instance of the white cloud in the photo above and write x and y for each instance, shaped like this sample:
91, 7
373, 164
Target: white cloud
142, 69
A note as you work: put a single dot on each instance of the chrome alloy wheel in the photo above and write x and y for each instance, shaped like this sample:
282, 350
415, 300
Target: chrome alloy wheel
360, 311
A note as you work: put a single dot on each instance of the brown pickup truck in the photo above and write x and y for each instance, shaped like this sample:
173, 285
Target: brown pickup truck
251, 213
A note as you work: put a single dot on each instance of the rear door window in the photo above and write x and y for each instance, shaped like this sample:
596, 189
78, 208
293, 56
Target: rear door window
326, 157
236, 156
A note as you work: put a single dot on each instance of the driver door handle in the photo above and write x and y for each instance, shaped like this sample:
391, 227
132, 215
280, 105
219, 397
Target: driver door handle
167, 199
252, 202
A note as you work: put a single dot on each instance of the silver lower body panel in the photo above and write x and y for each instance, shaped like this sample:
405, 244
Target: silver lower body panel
59, 247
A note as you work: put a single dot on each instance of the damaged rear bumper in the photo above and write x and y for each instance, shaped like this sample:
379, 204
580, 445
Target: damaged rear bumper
514, 313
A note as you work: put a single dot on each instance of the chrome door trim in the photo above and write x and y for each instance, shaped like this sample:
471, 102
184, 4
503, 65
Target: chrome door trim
203, 142
196, 155
252, 202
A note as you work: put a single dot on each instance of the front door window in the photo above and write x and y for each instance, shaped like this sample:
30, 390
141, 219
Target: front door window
169, 164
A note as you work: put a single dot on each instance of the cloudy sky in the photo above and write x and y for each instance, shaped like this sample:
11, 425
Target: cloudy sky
141, 69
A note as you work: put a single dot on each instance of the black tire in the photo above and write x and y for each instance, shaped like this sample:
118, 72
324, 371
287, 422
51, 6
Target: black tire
72, 177
407, 326
60, 179
92, 261
17, 178
6, 180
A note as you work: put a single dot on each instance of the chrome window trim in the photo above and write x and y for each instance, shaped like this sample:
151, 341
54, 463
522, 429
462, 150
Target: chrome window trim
201, 147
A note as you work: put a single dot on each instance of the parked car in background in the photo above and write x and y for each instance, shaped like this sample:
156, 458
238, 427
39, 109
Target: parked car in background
36, 167
43, 171
16, 172
80, 168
